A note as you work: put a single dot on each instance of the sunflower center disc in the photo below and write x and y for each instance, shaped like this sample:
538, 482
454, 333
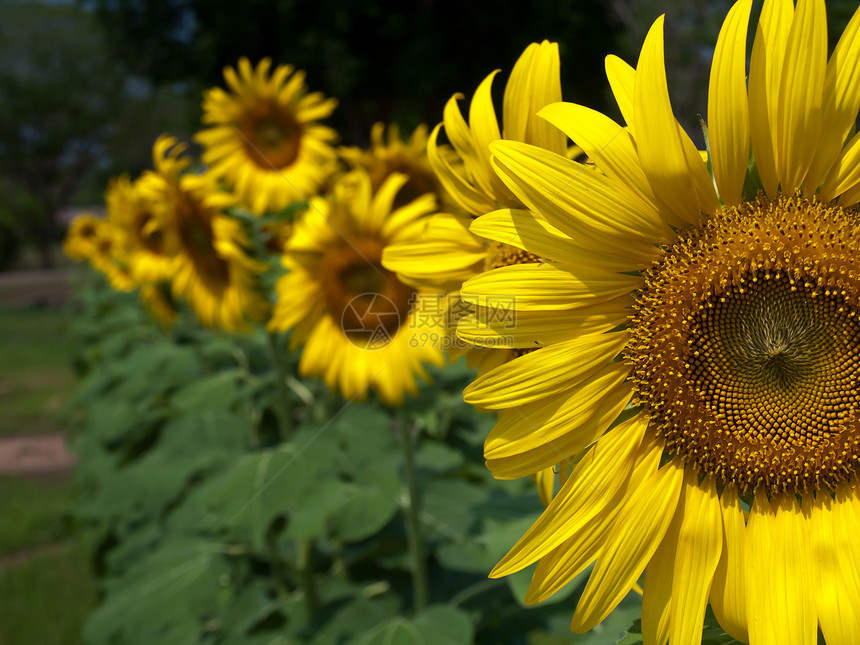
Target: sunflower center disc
272, 137
366, 299
198, 241
746, 346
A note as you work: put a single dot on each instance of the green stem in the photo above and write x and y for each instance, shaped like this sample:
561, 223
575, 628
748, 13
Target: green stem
284, 412
413, 524
306, 548
339, 565
478, 588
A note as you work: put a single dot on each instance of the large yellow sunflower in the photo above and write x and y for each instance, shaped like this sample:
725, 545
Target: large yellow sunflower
265, 139
361, 327
734, 477
212, 270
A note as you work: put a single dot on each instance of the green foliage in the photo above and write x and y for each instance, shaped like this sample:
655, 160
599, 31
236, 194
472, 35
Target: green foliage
712, 633
212, 528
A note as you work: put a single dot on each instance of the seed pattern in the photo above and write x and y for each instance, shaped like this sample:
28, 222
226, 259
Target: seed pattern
503, 255
745, 346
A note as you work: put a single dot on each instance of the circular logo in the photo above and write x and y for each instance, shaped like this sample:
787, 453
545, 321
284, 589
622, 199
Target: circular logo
370, 320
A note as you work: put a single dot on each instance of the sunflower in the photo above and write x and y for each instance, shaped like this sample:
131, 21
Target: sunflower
155, 296
361, 327
716, 430
79, 243
103, 245
265, 139
212, 269
150, 254
110, 256
448, 254
389, 153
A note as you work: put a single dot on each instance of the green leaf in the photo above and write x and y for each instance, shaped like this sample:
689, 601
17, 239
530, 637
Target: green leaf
369, 503
439, 625
357, 617
633, 635
163, 598
713, 634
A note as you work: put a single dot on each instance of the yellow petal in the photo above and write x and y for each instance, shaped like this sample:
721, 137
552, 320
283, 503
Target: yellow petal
657, 593
780, 603
570, 558
800, 94
593, 486
766, 63
635, 535
607, 145
531, 453
571, 195
545, 372
546, 89
520, 228
458, 186
622, 80
837, 597
528, 439
544, 287
545, 483
700, 540
535, 82
515, 104
844, 176
485, 130
728, 594
531, 329
534, 234
841, 102
658, 136
728, 106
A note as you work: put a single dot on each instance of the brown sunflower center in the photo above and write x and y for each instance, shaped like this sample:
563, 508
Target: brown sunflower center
746, 346
272, 137
365, 299
421, 180
149, 234
503, 255
194, 225
87, 230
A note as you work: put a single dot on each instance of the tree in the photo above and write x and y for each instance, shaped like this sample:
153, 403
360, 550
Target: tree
59, 92
384, 60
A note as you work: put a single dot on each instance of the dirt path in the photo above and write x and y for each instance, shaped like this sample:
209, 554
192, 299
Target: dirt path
35, 455
38, 287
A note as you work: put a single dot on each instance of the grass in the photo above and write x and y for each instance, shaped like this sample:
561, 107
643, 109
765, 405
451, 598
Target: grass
35, 374
46, 585
46, 598
33, 511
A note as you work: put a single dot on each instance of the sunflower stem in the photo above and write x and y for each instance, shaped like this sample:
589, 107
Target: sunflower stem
283, 406
411, 512
306, 548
